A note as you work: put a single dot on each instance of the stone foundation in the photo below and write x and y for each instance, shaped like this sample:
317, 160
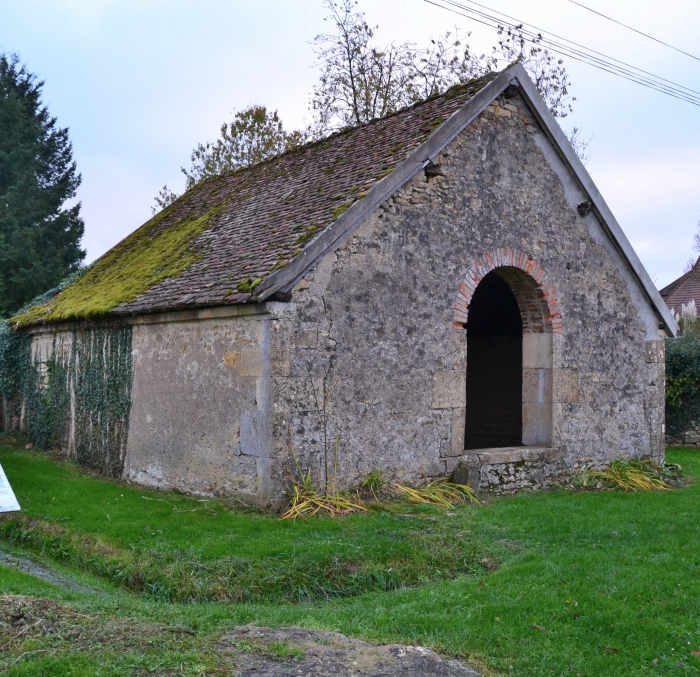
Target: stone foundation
511, 469
689, 438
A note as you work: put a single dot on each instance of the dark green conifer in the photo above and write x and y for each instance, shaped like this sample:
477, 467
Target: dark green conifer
39, 236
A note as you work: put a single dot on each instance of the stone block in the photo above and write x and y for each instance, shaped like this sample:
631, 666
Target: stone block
500, 456
537, 385
232, 359
502, 112
537, 351
556, 453
457, 426
460, 336
281, 434
565, 385
534, 454
537, 424
468, 472
279, 358
256, 433
251, 362
656, 374
449, 389
656, 351
263, 393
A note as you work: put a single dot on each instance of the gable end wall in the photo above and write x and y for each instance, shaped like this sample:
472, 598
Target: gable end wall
373, 359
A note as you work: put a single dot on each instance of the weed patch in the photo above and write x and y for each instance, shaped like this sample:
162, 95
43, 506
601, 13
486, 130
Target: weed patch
41, 637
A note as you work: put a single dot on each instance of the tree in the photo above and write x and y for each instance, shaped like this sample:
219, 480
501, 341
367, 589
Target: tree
361, 81
39, 236
696, 239
696, 247
254, 135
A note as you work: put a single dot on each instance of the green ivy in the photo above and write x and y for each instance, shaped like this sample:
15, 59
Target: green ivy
87, 397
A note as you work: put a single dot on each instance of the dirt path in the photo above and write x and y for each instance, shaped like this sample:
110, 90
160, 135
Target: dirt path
47, 574
293, 652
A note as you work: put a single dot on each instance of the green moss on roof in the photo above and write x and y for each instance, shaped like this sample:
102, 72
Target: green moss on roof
342, 208
269, 213
136, 264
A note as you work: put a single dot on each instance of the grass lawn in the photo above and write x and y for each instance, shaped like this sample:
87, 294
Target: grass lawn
183, 549
597, 584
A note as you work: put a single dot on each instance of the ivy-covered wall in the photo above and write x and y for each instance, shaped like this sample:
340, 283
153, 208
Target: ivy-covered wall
70, 390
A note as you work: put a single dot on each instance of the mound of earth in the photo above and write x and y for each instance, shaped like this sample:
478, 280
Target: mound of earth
277, 652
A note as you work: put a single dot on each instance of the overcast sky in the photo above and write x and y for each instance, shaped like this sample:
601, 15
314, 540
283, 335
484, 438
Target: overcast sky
141, 82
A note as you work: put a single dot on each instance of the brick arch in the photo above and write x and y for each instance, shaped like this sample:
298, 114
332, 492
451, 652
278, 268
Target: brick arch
538, 303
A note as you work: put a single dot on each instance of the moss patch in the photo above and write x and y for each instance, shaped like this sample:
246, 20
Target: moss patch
135, 265
343, 208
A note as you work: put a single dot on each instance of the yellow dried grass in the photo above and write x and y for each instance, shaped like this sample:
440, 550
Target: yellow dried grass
306, 501
626, 475
438, 492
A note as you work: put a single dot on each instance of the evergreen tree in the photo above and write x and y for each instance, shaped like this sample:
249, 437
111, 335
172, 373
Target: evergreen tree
39, 237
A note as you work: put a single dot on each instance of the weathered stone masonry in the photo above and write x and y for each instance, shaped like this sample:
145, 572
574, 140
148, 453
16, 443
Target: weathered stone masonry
376, 320
353, 355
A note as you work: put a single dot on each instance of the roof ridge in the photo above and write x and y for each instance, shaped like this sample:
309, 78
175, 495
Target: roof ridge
486, 78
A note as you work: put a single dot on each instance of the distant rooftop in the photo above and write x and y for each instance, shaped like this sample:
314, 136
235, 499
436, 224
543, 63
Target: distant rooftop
683, 290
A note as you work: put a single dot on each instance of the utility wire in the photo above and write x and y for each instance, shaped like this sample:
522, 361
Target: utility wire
570, 49
539, 37
646, 35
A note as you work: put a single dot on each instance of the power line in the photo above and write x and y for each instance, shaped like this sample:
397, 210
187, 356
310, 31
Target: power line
588, 52
646, 35
570, 49
573, 50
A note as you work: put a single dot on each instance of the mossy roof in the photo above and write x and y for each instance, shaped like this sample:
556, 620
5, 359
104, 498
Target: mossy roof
230, 232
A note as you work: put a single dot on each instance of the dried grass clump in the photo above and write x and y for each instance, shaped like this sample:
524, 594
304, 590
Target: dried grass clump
630, 476
438, 492
307, 500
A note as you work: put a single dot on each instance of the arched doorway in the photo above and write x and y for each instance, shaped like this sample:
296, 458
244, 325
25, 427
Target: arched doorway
494, 412
511, 313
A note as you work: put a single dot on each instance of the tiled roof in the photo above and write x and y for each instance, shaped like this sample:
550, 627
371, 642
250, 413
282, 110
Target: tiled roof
683, 290
261, 217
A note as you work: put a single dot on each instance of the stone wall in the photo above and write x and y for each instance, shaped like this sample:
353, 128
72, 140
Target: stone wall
375, 359
365, 368
687, 439
201, 403
75, 394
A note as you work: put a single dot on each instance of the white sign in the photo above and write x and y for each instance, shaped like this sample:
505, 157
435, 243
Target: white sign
8, 500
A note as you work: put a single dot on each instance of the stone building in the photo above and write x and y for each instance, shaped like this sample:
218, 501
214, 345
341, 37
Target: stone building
440, 291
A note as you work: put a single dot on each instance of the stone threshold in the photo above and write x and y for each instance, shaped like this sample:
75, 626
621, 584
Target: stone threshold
498, 455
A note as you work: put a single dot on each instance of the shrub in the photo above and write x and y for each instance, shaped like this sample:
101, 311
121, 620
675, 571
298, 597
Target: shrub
682, 383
